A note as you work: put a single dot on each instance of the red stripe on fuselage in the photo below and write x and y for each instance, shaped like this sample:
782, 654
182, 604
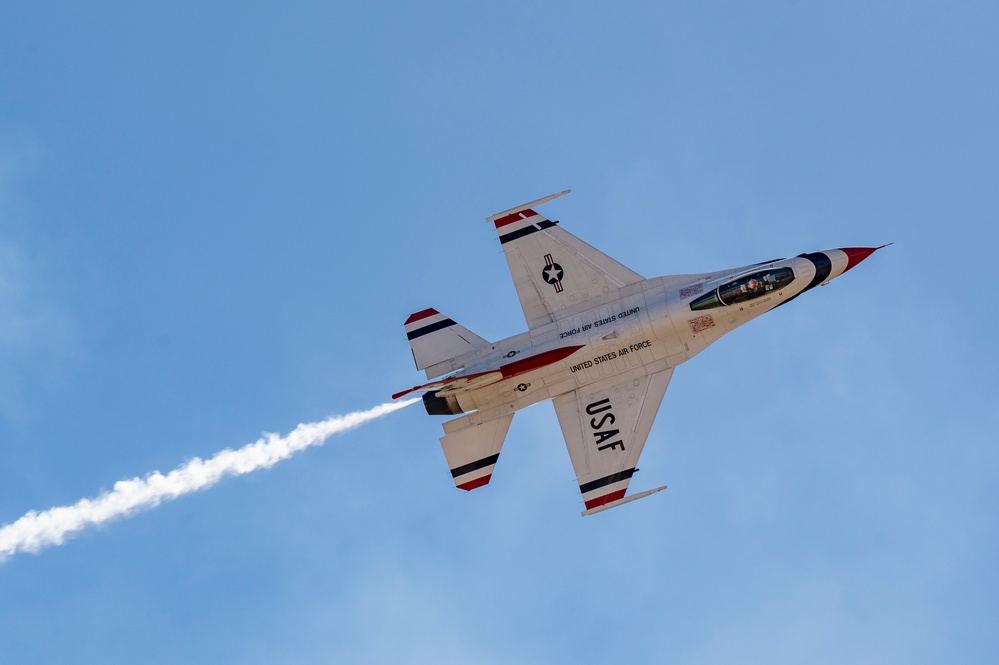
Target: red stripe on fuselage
540, 360
508, 371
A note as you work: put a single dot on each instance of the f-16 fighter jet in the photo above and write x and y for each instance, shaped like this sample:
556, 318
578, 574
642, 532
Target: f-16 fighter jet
601, 343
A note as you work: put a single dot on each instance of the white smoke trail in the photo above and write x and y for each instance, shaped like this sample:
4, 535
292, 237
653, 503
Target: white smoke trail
38, 530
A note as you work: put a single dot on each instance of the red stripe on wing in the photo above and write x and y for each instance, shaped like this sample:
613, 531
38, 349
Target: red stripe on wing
606, 498
515, 217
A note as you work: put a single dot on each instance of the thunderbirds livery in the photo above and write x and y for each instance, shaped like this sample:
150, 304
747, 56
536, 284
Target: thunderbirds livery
601, 343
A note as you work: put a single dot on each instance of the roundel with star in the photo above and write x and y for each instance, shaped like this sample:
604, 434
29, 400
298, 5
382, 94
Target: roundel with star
552, 273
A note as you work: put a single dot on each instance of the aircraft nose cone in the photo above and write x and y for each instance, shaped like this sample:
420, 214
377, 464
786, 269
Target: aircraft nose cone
857, 254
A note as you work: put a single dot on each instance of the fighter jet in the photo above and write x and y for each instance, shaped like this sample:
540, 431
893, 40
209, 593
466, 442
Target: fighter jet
601, 343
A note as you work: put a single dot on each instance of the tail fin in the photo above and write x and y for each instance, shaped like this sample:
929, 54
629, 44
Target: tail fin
437, 340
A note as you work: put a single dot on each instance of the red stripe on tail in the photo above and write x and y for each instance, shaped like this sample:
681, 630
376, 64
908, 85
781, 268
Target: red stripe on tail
478, 482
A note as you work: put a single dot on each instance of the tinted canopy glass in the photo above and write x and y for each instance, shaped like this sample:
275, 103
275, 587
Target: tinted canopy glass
747, 287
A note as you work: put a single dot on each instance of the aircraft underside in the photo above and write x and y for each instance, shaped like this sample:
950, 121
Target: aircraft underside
602, 343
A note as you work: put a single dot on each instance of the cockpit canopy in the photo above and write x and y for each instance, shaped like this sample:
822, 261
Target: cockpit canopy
746, 287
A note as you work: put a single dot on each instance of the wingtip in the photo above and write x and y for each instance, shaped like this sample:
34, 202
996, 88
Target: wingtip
500, 216
600, 507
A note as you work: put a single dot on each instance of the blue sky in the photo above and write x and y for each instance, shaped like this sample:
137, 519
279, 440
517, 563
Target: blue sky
214, 220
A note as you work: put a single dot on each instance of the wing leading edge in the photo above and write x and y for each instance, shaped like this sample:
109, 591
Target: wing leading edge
605, 428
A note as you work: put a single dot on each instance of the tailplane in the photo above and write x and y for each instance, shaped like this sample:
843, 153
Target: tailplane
436, 341
473, 449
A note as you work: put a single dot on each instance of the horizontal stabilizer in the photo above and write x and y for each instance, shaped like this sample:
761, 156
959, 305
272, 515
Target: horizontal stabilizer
434, 338
472, 452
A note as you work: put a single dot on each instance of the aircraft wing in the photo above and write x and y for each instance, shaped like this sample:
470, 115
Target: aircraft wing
605, 427
551, 268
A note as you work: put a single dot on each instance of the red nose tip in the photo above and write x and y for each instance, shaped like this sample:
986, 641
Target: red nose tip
855, 255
